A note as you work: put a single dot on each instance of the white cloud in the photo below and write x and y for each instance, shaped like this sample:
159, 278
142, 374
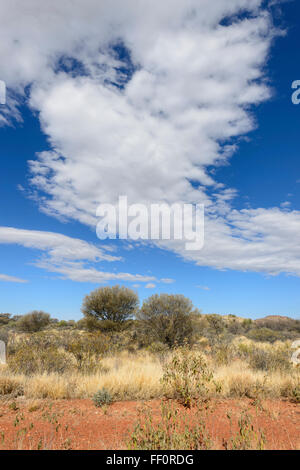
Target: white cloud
5, 278
69, 257
152, 140
285, 204
203, 287
167, 280
150, 285
59, 247
261, 240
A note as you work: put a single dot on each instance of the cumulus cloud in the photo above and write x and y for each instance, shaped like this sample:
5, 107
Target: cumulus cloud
142, 101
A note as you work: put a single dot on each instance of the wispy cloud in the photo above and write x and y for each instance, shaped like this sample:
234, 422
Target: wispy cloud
167, 280
67, 256
150, 285
5, 278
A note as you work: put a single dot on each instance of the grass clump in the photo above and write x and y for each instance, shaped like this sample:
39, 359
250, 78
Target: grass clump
10, 386
102, 397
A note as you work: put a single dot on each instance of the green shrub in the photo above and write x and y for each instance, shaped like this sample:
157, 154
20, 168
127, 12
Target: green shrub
65, 324
168, 319
264, 335
102, 397
116, 304
93, 324
187, 376
33, 321
174, 431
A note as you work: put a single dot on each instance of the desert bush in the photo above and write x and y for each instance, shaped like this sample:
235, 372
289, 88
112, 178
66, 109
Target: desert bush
62, 324
215, 328
28, 360
156, 347
38, 353
115, 303
102, 397
235, 327
173, 431
88, 350
33, 321
167, 319
286, 326
200, 324
93, 324
223, 353
70, 324
186, 377
247, 324
216, 323
243, 350
264, 335
270, 360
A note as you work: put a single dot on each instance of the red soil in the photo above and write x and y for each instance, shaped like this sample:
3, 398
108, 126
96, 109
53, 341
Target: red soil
77, 424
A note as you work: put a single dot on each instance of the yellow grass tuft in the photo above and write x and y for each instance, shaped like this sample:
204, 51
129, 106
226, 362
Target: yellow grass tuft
137, 376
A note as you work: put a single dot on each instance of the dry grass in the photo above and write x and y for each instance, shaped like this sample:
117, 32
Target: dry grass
238, 380
125, 376
137, 376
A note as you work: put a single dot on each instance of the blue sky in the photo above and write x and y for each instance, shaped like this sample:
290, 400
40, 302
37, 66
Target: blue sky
190, 103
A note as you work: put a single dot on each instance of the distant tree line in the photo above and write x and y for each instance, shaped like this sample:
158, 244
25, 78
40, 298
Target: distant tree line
170, 319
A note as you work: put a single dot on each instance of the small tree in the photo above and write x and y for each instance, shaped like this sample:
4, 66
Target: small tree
167, 318
34, 321
216, 328
115, 303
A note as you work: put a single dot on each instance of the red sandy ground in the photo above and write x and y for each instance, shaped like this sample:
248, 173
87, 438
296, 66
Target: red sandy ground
77, 424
